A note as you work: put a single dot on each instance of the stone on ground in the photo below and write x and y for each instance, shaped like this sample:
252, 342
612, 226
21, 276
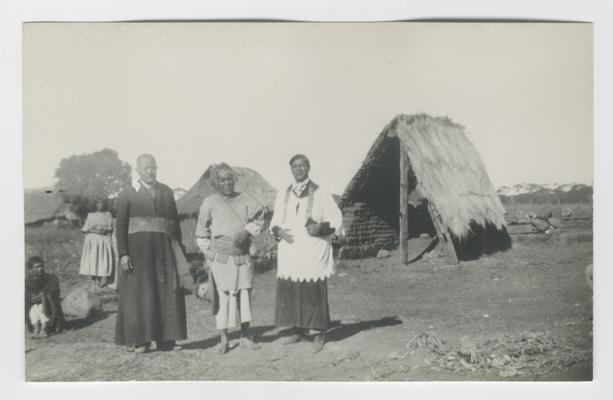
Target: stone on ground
81, 303
383, 253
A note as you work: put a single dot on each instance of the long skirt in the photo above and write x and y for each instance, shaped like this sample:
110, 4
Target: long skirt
97, 258
302, 304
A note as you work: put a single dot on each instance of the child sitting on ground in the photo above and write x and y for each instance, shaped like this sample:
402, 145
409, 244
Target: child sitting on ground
43, 311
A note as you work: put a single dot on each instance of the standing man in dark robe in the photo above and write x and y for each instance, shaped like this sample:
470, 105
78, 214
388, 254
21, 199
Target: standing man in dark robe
151, 300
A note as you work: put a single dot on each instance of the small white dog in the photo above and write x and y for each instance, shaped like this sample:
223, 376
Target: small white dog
39, 320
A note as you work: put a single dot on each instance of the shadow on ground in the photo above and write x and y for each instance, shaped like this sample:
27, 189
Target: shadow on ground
336, 333
258, 332
75, 324
344, 331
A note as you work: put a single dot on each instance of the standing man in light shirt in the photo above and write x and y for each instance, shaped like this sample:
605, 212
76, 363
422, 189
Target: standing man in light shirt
226, 223
151, 300
305, 220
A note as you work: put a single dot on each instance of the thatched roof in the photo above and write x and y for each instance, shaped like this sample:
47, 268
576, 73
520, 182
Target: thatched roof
248, 181
447, 169
43, 205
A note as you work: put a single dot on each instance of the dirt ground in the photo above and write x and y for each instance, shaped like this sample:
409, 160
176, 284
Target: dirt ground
524, 314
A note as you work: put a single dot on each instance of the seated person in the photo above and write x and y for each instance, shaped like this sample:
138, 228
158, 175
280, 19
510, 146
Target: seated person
43, 304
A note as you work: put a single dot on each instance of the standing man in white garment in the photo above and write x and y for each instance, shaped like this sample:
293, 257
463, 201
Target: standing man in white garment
305, 220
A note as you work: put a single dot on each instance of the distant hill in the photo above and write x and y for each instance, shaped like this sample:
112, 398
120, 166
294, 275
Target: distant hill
548, 193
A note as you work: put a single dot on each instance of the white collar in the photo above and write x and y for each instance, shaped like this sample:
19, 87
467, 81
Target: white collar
139, 183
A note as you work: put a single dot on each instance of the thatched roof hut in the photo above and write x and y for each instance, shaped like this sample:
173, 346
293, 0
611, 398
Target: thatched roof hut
189, 204
423, 174
44, 206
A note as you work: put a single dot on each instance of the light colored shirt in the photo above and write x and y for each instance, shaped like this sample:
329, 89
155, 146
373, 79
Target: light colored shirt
308, 258
100, 218
216, 218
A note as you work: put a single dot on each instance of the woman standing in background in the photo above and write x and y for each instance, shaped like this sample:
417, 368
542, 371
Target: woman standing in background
97, 259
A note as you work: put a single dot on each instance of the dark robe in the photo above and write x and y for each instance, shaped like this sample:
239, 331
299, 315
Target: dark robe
151, 301
48, 286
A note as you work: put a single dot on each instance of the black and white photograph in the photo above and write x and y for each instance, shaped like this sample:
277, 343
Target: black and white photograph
301, 201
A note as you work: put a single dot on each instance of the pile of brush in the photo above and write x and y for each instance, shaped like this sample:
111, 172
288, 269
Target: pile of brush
529, 353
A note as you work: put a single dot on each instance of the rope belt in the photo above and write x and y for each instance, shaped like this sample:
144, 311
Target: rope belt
223, 247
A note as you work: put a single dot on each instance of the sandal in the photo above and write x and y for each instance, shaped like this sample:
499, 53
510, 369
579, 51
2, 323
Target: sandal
222, 347
169, 346
319, 341
249, 344
293, 339
138, 349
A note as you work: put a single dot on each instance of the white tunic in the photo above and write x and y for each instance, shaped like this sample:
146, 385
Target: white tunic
308, 258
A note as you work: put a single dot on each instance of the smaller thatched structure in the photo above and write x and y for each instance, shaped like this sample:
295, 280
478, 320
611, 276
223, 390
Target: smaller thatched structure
422, 176
189, 204
44, 206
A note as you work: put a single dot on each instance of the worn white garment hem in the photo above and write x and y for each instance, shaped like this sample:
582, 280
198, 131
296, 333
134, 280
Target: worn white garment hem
233, 309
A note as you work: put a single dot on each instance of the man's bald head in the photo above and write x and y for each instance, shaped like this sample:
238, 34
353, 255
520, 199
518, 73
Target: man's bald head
146, 168
144, 157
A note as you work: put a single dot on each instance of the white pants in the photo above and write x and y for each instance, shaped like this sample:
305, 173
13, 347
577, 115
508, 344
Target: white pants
233, 307
37, 315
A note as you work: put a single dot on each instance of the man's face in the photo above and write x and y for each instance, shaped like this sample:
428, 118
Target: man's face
147, 170
38, 269
300, 169
225, 182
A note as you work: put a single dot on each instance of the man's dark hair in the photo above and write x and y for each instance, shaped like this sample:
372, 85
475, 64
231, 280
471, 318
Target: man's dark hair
300, 156
34, 260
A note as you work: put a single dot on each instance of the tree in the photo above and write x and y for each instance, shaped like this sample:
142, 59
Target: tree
84, 178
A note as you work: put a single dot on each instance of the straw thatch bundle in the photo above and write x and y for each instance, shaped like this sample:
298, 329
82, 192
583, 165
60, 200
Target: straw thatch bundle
445, 170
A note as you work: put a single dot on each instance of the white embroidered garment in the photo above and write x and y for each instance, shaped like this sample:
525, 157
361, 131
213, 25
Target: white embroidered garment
308, 258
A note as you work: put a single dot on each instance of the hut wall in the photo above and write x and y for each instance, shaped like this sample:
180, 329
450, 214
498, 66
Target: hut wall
366, 232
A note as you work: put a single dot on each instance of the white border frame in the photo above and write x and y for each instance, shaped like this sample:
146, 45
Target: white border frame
14, 12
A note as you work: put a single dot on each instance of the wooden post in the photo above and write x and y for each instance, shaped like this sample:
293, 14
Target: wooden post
404, 205
443, 235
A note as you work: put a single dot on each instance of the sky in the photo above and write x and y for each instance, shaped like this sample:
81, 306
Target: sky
254, 94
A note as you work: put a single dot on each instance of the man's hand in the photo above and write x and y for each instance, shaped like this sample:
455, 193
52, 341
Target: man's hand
313, 229
285, 235
205, 246
126, 263
319, 229
254, 227
37, 298
282, 234
241, 238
